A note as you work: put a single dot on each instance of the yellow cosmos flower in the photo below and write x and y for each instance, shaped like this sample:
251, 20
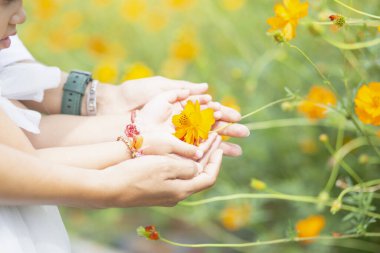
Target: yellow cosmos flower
192, 125
311, 226
233, 5
367, 103
287, 16
235, 217
136, 71
314, 107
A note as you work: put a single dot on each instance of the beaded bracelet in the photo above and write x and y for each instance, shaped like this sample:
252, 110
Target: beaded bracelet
133, 138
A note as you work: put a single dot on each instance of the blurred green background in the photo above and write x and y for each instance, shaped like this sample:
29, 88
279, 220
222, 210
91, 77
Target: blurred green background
223, 43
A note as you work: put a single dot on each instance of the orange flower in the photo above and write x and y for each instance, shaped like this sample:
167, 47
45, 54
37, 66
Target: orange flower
193, 124
235, 217
311, 226
287, 16
367, 103
314, 107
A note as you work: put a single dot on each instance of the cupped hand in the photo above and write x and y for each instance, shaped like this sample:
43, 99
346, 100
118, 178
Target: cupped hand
157, 180
134, 94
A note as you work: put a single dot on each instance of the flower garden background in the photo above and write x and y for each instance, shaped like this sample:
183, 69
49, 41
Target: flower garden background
309, 72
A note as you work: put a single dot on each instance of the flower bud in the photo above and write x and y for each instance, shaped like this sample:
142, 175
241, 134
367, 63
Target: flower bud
258, 185
324, 138
363, 159
287, 107
338, 20
336, 206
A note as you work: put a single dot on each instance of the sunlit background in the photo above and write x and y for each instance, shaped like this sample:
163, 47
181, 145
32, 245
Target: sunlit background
223, 43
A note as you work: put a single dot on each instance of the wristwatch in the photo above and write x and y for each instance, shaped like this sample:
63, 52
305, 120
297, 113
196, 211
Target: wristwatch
73, 92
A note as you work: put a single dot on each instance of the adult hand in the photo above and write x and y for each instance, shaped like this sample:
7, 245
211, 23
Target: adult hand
157, 180
134, 94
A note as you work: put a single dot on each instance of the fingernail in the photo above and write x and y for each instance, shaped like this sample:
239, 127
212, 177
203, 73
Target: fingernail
204, 85
199, 154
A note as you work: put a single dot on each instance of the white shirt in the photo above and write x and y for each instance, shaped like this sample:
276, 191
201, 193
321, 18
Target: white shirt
22, 78
28, 229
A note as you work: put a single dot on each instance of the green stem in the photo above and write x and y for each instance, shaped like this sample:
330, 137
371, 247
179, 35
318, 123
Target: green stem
256, 111
357, 11
289, 123
296, 198
352, 145
358, 187
326, 81
353, 46
344, 165
271, 242
351, 22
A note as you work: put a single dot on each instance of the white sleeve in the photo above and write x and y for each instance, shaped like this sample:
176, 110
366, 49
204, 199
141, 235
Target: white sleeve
25, 80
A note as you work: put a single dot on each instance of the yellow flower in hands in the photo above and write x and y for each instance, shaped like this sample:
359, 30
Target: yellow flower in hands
367, 103
193, 124
287, 16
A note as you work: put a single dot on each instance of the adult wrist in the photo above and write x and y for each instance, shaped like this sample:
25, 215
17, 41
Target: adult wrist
73, 92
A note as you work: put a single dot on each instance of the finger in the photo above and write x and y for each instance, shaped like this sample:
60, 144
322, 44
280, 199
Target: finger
174, 95
215, 145
231, 149
216, 107
202, 99
231, 130
229, 114
185, 150
205, 146
182, 168
194, 88
208, 177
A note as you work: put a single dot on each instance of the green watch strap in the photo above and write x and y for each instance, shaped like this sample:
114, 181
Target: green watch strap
73, 92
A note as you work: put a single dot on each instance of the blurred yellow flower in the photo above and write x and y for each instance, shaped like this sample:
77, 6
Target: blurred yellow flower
231, 102
308, 146
156, 20
106, 72
72, 19
45, 9
233, 5
310, 226
173, 68
132, 10
367, 103
180, 4
287, 16
101, 3
186, 46
235, 217
97, 45
136, 71
378, 28
314, 106
192, 125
